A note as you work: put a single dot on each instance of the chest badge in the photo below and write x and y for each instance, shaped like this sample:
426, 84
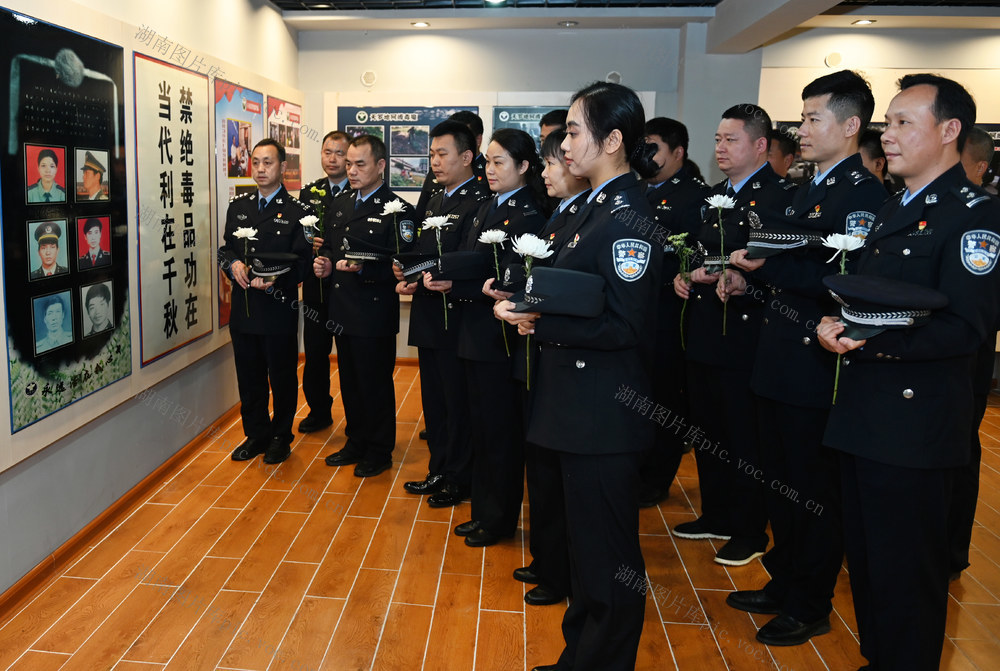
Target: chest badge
576, 239
815, 214
754, 220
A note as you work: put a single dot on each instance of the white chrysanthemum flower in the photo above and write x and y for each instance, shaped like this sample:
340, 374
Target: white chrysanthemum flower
533, 246
842, 243
393, 207
245, 233
721, 201
436, 222
493, 236
309, 220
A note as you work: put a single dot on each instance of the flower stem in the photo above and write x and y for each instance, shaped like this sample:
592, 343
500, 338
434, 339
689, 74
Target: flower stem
836, 381
496, 264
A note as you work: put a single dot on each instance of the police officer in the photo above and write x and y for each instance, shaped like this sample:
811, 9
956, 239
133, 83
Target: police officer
513, 171
585, 363
364, 307
676, 195
432, 184
316, 338
47, 236
721, 343
442, 387
793, 375
264, 316
905, 403
93, 256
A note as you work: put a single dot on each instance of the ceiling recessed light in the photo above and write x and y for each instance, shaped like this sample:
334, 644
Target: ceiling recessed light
321, 6
495, 2
568, 24
863, 22
420, 24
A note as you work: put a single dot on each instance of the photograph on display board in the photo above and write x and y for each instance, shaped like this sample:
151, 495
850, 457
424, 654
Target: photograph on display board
358, 131
409, 140
45, 173
52, 319
239, 113
284, 119
91, 171
95, 303
47, 249
407, 171
93, 239
524, 118
176, 263
64, 117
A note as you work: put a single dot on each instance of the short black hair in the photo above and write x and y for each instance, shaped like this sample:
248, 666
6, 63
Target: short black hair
48, 153
270, 142
755, 120
871, 142
91, 223
97, 291
49, 301
671, 131
951, 101
980, 144
552, 147
376, 144
337, 136
471, 120
464, 140
850, 95
786, 143
553, 118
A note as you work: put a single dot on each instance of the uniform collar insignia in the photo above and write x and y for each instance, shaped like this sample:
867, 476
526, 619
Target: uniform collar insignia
930, 199
572, 208
675, 180
278, 201
965, 189
512, 202
241, 217
830, 181
600, 197
463, 192
756, 185
789, 211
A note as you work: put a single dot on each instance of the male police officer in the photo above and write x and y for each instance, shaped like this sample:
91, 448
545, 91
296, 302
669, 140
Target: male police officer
432, 185
47, 237
905, 403
793, 376
721, 345
364, 307
264, 321
442, 384
316, 338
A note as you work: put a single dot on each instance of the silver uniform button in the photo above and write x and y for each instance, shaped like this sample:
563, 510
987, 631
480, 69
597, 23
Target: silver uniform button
336, 286
907, 393
906, 252
580, 363
807, 340
698, 296
374, 298
745, 317
847, 362
880, 356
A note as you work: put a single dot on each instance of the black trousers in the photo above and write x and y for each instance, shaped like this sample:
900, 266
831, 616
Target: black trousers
896, 537
803, 504
366, 367
603, 623
317, 341
660, 463
498, 437
266, 364
730, 471
446, 414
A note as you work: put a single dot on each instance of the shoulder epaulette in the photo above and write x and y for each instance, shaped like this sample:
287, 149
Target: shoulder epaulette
242, 195
787, 184
970, 195
859, 176
620, 201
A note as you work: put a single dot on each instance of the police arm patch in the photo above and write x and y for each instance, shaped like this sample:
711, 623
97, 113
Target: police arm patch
980, 250
631, 258
859, 223
406, 230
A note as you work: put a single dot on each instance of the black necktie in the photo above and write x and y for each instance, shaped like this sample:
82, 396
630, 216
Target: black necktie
495, 205
730, 191
357, 203
48, 197
334, 190
263, 204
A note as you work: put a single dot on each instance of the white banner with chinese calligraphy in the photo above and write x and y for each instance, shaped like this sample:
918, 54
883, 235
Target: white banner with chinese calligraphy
175, 241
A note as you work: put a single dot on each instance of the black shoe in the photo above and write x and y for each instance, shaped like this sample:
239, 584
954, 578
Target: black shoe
954, 575
422, 435
525, 574
450, 495
314, 423
432, 484
548, 667
649, 496
737, 553
249, 449
366, 469
542, 596
697, 530
466, 528
342, 458
481, 538
753, 601
277, 451
786, 630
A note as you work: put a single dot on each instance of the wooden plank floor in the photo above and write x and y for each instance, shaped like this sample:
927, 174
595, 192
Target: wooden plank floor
241, 566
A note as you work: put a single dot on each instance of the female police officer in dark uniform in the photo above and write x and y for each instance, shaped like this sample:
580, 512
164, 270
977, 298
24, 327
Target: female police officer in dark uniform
590, 372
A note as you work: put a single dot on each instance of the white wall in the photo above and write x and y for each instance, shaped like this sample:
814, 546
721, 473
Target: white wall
883, 56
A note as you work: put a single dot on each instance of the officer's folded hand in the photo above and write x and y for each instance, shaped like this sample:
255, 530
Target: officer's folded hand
740, 260
404, 289
239, 273
398, 272
494, 293
682, 288
828, 331
346, 266
322, 266
730, 283
702, 276
317, 243
524, 321
436, 285
259, 283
